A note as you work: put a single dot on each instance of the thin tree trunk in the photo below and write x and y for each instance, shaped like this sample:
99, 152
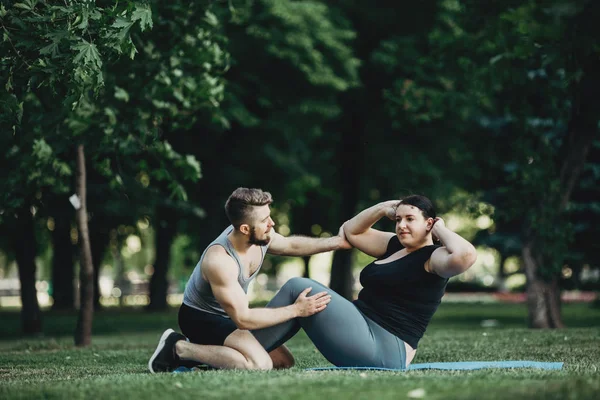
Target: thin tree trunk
99, 237
63, 289
25, 251
501, 274
165, 233
83, 333
119, 269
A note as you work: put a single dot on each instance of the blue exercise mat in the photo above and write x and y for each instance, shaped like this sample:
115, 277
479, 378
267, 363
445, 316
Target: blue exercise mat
455, 366
458, 366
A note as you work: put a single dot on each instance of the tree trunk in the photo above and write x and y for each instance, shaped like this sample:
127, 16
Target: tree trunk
543, 297
62, 262
501, 285
342, 280
350, 155
99, 237
83, 333
119, 269
303, 217
25, 251
306, 260
165, 233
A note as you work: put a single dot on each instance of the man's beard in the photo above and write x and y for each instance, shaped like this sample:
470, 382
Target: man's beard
254, 240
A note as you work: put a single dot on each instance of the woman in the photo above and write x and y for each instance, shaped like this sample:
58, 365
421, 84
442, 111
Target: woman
401, 291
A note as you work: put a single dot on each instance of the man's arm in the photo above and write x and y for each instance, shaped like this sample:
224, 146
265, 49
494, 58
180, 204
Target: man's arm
306, 246
222, 272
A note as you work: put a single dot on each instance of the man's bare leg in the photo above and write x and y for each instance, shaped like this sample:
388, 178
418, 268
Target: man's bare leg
239, 351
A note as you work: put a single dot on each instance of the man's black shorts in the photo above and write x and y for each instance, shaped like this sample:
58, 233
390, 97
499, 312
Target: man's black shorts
204, 328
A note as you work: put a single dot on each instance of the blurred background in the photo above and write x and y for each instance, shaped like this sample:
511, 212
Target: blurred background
488, 108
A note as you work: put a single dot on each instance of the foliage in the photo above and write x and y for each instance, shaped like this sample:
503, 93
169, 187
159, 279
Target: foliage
537, 57
51, 67
81, 52
501, 86
285, 95
289, 62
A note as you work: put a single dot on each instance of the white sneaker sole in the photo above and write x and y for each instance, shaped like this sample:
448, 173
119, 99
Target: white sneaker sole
161, 345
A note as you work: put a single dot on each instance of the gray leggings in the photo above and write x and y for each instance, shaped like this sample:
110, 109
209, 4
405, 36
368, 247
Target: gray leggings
345, 336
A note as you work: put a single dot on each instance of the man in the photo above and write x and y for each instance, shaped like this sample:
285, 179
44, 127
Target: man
215, 317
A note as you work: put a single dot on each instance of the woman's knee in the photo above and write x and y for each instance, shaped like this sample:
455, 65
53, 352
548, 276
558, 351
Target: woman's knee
298, 284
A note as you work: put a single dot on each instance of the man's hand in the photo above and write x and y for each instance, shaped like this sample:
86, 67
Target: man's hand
309, 305
344, 243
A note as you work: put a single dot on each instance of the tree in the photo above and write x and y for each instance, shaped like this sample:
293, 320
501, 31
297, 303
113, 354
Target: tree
289, 60
53, 51
528, 122
177, 76
550, 70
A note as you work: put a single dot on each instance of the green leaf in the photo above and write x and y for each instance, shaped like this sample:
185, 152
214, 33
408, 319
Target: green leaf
121, 94
112, 116
88, 52
8, 85
143, 14
51, 50
194, 164
211, 19
61, 168
133, 51
23, 6
42, 150
3, 11
121, 22
84, 21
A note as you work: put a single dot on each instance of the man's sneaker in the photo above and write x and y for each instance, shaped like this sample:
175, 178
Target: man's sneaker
165, 358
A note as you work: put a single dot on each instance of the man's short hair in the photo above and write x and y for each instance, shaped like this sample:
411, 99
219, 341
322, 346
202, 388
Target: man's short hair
240, 204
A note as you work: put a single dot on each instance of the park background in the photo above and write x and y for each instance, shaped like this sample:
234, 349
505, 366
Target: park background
125, 126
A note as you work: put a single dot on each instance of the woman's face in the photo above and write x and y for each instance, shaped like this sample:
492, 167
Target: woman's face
411, 227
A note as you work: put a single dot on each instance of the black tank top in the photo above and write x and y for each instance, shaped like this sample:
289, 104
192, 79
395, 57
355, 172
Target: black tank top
401, 296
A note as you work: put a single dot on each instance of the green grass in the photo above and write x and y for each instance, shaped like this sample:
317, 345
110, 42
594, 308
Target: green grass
115, 365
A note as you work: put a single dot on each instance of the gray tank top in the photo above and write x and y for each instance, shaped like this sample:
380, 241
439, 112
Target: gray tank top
198, 293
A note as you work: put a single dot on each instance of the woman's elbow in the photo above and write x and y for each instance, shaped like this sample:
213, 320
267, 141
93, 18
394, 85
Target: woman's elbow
468, 258
462, 261
348, 230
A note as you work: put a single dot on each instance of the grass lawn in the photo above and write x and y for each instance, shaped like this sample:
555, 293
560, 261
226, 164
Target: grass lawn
114, 367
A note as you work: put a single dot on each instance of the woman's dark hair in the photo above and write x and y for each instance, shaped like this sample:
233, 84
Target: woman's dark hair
422, 203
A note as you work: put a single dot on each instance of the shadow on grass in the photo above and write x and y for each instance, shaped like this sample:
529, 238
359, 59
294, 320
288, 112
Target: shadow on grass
107, 321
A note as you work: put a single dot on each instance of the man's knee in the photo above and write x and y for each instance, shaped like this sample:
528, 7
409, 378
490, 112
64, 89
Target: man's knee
262, 363
254, 355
